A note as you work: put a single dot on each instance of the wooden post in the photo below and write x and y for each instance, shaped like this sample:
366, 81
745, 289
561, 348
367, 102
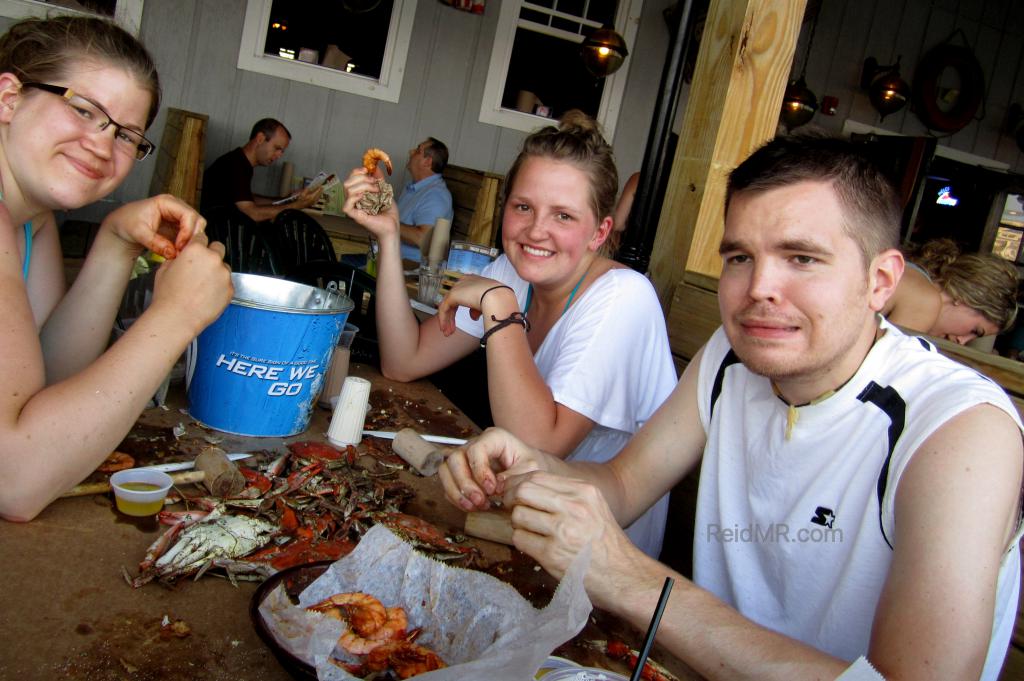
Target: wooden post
733, 107
179, 158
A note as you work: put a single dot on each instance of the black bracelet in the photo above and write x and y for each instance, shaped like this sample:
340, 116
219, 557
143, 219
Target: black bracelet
514, 318
491, 289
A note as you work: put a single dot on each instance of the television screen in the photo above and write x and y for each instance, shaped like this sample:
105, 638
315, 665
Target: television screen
946, 197
955, 203
1007, 243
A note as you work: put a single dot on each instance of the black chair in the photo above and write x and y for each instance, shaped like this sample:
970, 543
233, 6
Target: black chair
357, 285
247, 247
300, 239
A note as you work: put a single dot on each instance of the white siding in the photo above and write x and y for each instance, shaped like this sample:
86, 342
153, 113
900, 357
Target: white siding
849, 31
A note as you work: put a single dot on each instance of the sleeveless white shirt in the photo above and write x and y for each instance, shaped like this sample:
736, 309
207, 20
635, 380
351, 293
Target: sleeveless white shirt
797, 534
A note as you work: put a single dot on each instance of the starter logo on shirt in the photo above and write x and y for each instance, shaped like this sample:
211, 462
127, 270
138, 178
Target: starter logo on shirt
823, 516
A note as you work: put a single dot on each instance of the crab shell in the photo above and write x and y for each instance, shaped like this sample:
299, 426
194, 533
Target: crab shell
214, 537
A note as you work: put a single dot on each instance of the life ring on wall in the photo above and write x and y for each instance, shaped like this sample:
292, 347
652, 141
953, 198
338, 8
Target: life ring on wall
927, 87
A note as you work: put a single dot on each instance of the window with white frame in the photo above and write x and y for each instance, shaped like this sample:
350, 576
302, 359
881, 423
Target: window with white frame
127, 13
536, 71
356, 46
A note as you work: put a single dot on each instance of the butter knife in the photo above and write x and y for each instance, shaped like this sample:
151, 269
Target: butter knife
185, 465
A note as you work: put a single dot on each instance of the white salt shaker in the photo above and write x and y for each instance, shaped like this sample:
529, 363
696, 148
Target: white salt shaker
350, 413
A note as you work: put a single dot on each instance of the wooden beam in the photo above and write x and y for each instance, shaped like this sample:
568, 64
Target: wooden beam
733, 107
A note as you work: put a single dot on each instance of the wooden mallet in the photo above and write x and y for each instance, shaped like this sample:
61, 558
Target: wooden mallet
221, 475
493, 526
425, 457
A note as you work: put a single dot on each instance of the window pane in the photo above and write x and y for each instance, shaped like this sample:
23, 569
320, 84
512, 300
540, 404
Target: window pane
552, 69
568, 25
574, 7
104, 7
304, 29
602, 11
541, 18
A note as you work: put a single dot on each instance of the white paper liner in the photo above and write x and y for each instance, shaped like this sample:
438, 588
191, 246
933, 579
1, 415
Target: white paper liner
861, 670
480, 626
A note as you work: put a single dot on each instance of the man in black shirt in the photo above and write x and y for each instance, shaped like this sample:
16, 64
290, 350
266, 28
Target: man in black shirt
228, 180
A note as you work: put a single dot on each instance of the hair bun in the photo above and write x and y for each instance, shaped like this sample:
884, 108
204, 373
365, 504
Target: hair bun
576, 122
936, 255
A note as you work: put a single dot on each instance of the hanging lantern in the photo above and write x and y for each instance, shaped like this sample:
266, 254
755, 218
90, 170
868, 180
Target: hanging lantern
887, 91
603, 52
798, 104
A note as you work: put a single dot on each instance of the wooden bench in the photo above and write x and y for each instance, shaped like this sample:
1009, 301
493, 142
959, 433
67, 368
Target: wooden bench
476, 198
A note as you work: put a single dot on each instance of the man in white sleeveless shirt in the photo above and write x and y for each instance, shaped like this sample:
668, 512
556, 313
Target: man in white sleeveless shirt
860, 494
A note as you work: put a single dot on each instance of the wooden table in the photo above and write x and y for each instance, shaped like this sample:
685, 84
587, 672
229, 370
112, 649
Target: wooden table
69, 614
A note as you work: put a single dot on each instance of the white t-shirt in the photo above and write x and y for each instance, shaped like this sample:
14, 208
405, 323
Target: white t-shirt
797, 533
608, 359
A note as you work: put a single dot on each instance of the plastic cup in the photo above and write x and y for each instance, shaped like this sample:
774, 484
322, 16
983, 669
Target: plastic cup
429, 284
339, 367
140, 492
350, 413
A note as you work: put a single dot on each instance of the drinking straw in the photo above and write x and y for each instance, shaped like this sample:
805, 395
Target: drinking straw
641, 659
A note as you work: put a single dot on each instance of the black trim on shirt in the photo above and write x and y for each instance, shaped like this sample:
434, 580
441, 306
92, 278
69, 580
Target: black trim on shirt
895, 407
716, 389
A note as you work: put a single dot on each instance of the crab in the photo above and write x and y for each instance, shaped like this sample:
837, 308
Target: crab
312, 503
195, 544
426, 537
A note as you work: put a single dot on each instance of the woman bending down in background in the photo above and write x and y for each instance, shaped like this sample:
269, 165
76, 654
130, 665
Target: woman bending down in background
955, 296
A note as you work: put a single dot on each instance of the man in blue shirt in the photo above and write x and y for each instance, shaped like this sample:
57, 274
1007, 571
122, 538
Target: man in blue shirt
426, 198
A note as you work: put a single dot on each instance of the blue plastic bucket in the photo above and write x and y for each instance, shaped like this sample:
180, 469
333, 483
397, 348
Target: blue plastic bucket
258, 368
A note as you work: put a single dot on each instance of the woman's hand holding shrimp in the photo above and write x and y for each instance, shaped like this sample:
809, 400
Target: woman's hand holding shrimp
480, 468
196, 285
474, 292
162, 224
358, 184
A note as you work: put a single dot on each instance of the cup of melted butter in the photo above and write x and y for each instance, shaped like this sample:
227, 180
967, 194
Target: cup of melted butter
140, 492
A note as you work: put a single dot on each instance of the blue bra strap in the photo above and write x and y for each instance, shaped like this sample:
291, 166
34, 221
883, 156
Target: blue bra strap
28, 249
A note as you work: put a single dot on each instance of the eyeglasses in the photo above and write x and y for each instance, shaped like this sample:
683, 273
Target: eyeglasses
91, 115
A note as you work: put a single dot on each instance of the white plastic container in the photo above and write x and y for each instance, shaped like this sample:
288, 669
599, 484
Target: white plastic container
139, 491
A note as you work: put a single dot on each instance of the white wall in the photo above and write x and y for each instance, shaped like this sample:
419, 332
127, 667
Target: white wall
849, 31
195, 45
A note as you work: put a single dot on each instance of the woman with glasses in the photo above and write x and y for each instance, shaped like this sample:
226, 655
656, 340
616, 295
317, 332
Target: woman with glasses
76, 97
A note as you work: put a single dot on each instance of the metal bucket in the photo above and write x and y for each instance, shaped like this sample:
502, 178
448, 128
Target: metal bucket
258, 368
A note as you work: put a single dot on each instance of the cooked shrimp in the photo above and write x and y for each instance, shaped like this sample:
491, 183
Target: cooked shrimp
404, 658
392, 629
364, 613
374, 156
